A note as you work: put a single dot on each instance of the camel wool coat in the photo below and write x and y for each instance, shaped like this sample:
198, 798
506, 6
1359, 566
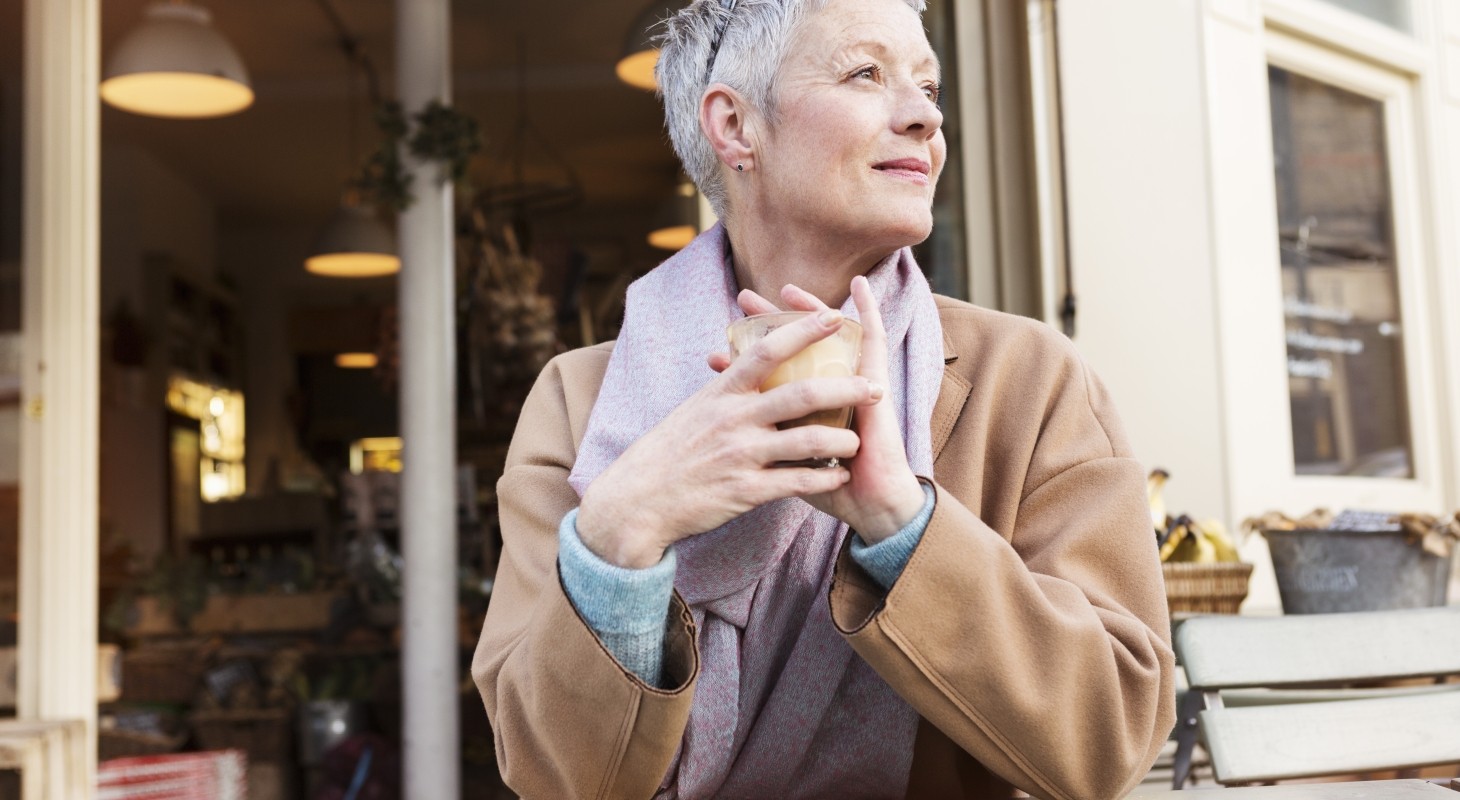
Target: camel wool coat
1029, 629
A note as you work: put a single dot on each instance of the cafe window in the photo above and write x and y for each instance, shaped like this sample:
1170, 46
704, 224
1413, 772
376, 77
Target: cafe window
944, 255
1345, 329
11, 413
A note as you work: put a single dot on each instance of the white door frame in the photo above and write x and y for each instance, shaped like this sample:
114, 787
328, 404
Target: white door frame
59, 436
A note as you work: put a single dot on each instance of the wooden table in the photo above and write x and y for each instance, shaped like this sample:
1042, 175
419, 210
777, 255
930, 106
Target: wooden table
1356, 790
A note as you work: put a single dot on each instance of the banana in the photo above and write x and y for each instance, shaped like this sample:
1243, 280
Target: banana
1214, 532
1155, 483
1181, 539
1206, 552
1178, 543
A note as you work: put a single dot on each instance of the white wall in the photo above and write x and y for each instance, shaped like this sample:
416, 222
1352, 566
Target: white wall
1139, 227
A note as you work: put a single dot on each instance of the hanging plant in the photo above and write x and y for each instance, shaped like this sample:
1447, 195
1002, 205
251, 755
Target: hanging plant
446, 135
437, 133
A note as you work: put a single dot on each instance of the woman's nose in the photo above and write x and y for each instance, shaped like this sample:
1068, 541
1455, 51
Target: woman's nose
917, 114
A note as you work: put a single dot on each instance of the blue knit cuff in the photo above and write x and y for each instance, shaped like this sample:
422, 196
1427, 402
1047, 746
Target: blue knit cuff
886, 560
625, 608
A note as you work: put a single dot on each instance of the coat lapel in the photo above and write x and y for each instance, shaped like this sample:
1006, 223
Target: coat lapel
952, 394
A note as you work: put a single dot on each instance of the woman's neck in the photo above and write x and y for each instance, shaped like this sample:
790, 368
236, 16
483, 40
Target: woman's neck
767, 257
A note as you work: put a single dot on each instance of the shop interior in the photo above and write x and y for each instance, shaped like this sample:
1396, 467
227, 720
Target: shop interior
250, 459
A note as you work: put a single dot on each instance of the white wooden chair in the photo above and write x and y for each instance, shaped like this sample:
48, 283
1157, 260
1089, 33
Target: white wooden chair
1275, 696
51, 757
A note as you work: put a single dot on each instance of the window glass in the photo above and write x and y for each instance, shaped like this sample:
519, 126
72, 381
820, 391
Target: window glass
1345, 333
1394, 13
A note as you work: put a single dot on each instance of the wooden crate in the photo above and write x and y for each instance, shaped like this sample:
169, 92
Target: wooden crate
243, 613
265, 613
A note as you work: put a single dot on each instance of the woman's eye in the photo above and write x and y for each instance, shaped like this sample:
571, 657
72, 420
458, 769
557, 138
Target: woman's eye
867, 72
934, 92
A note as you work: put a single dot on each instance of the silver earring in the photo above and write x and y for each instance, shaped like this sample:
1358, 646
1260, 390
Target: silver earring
740, 167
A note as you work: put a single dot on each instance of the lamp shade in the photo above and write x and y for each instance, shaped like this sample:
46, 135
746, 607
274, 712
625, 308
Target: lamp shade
640, 55
355, 244
356, 360
175, 64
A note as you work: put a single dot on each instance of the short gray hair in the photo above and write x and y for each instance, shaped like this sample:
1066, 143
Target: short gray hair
753, 37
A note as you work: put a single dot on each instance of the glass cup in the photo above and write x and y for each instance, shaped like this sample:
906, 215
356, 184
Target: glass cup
838, 355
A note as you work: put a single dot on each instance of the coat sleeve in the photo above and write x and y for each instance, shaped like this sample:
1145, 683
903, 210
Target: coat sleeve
568, 720
1043, 652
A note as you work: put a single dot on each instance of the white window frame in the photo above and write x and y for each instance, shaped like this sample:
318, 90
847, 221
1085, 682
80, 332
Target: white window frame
1339, 29
1426, 490
1338, 47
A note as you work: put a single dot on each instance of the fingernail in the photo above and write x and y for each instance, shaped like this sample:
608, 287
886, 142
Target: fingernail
875, 389
829, 317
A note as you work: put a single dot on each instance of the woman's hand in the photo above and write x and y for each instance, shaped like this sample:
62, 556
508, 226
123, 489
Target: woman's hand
712, 458
883, 494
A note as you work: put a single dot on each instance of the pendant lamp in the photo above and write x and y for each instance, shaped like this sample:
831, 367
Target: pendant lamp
356, 360
175, 64
355, 244
640, 55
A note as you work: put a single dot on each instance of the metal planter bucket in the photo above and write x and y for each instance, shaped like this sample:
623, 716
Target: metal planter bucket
1325, 571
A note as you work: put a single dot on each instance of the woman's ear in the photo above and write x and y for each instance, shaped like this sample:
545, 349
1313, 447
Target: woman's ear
728, 124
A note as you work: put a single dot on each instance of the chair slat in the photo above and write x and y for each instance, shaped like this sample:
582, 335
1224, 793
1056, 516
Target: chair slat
1237, 698
1296, 741
1314, 649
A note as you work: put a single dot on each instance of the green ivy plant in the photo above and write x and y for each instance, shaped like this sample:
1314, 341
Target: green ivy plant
437, 133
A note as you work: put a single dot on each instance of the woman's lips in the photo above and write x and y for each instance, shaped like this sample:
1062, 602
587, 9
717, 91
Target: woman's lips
910, 169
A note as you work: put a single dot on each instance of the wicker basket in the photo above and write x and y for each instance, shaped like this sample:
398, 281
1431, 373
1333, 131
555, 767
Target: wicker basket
267, 735
1206, 588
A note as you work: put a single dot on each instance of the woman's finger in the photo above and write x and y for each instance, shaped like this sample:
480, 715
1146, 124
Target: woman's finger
807, 442
874, 336
753, 366
796, 399
800, 299
720, 362
779, 482
752, 303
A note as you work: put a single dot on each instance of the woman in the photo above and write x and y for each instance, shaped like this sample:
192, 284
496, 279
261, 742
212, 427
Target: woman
969, 603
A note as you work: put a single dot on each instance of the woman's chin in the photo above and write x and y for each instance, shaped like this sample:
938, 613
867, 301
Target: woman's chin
902, 230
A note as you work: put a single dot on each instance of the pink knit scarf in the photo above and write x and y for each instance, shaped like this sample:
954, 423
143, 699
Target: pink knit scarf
783, 706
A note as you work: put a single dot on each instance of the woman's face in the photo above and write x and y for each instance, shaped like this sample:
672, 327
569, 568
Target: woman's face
857, 144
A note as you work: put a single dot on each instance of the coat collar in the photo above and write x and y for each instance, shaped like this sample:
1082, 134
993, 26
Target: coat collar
952, 394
